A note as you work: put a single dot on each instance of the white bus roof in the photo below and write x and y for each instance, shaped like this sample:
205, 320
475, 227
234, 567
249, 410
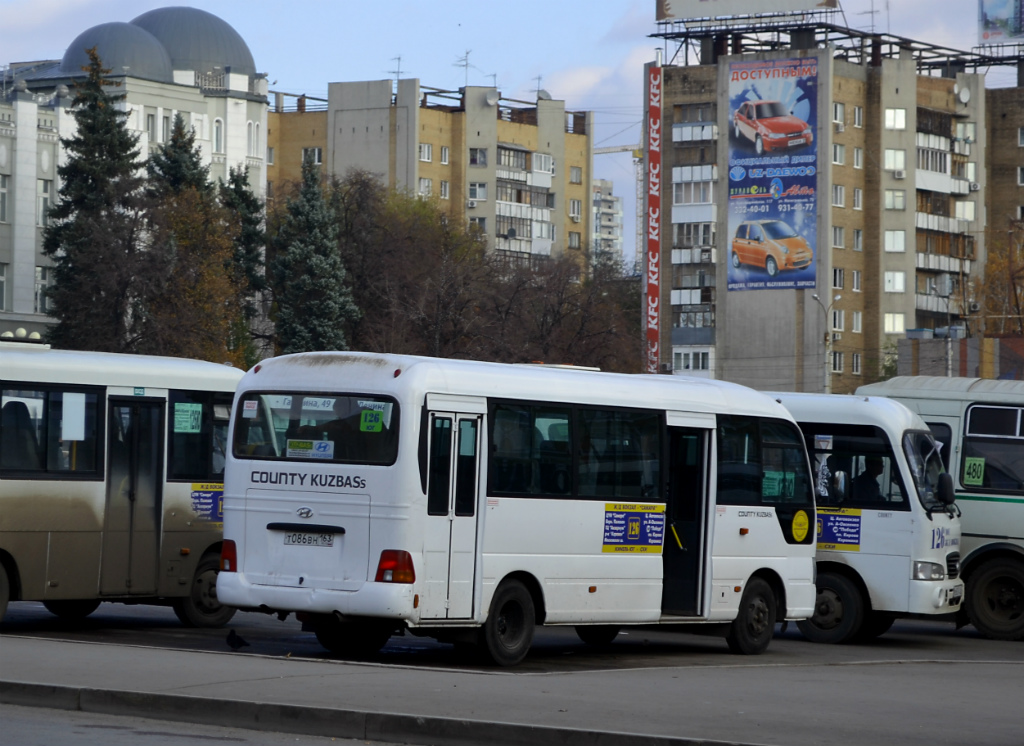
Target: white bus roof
938, 387
853, 409
37, 363
360, 372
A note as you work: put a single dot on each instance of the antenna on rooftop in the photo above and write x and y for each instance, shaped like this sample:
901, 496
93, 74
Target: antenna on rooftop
463, 62
871, 13
539, 78
397, 72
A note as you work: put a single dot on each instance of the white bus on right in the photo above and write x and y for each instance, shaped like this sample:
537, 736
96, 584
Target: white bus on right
980, 423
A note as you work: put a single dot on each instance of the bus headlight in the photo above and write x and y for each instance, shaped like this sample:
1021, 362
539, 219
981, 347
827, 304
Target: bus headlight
929, 571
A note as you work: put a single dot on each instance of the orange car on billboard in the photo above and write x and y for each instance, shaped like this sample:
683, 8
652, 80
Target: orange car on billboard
770, 244
770, 126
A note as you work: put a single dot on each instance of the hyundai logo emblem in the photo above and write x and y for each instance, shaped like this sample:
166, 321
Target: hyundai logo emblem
304, 512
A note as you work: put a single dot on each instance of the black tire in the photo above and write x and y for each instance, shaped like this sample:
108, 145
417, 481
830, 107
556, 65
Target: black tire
759, 145
754, 625
876, 624
771, 266
597, 635
838, 611
995, 599
508, 632
200, 608
735, 260
5, 592
351, 639
72, 611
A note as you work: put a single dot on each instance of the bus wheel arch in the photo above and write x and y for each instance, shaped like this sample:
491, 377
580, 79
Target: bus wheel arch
200, 608
839, 607
507, 632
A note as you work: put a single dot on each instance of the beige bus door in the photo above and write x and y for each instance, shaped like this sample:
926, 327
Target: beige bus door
131, 524
449, 542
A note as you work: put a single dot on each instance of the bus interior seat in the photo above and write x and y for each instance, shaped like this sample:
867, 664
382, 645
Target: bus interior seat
19, 449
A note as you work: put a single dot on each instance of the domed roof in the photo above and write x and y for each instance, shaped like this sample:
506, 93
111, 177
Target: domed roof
197, 40
120, 45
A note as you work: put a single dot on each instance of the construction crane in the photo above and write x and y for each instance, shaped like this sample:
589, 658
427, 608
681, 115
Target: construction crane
638, 167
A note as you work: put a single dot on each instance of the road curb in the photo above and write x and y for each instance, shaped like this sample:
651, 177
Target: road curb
322, 721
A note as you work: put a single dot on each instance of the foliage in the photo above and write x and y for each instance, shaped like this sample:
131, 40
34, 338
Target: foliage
178, 164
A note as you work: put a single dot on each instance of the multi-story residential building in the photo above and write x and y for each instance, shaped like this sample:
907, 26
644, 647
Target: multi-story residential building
823, 193
518, 170
167, 61
607, 220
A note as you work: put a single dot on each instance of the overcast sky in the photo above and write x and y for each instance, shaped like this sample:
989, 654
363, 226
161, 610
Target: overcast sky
589, 54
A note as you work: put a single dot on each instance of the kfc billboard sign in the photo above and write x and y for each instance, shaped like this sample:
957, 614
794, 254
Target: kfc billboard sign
680, 10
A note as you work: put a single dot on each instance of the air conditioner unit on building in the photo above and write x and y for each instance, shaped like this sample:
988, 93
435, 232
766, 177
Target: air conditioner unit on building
975, 186
471, 204
840, 127
575, 218
899, 174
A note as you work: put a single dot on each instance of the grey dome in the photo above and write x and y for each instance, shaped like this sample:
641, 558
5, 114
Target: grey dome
120, 45
197, 40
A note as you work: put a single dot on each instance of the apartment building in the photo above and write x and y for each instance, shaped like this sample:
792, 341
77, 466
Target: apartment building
607, 219
167, 61
823, 195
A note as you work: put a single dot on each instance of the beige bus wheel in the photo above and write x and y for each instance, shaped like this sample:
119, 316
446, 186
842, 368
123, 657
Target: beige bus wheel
201, 608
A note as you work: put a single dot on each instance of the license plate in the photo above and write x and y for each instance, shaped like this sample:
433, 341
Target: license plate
797, 141
309, 540
955, 596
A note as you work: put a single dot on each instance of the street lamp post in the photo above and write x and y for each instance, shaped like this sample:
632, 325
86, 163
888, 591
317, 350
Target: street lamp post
828, 340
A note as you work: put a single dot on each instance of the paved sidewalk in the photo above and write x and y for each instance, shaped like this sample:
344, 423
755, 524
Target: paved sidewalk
739, 703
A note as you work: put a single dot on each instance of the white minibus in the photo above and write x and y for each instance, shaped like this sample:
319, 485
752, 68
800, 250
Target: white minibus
379, 494
888, 532
980, 423
111, 471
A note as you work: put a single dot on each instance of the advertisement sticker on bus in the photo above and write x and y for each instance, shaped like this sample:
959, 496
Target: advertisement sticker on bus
312, 449
633, 528
839, 529
208, 501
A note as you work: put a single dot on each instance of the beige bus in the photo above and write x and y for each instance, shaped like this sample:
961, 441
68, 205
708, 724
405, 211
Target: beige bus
111, 480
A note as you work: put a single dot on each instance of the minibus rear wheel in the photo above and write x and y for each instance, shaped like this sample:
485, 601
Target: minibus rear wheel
200, 608
508, 632
754, 625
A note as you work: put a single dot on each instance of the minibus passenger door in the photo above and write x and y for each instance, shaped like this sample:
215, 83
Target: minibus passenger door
450, 526
131, 523
684, 534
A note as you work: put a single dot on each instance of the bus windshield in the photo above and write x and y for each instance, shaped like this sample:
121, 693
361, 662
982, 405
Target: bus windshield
340, 428
923, 456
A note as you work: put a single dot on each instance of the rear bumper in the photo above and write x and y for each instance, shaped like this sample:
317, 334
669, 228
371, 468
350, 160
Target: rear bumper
379, 600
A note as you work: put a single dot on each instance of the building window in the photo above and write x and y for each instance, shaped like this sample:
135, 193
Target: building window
3, 197
425, 188
855, 281
151, 127
895, 199
575, 209
838, 236
693, 193
317, 154
895, 282
689, 235
895, 119
1020, 175
478, 190
858, 157
444, 155
44, 276
250, 139
895, 159
256, 141
855, 364
426, 152
44, 191
838, 154
837, 278
166, 132
894, 323
218, 136
838, 195
838, 319
444, 190
3, 287
856, 320
478, 224
965, 210
967, 131
478, 156
270, 156
839, 112
858, 198
575, 175
1020, 137
858, 116
541, 162
837, 362
575, 238
895, 241
858, 239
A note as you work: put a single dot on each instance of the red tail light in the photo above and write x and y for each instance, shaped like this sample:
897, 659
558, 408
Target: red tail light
395, 566
228, 556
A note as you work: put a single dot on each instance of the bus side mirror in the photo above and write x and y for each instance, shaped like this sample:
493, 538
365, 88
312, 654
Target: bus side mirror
946, 495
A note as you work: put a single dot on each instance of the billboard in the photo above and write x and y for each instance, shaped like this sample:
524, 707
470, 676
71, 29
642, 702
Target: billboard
773, 174
669, 10
652, 110
999, 21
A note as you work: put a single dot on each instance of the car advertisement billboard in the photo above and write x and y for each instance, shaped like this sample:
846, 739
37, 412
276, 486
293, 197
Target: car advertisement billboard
999, 21
683, 9
773, 167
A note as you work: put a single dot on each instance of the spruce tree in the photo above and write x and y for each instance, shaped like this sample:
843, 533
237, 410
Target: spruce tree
178, 164
96, 230
249, 238
314, 303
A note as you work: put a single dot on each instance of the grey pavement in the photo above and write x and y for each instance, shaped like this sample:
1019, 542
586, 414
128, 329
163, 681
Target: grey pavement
770, 699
